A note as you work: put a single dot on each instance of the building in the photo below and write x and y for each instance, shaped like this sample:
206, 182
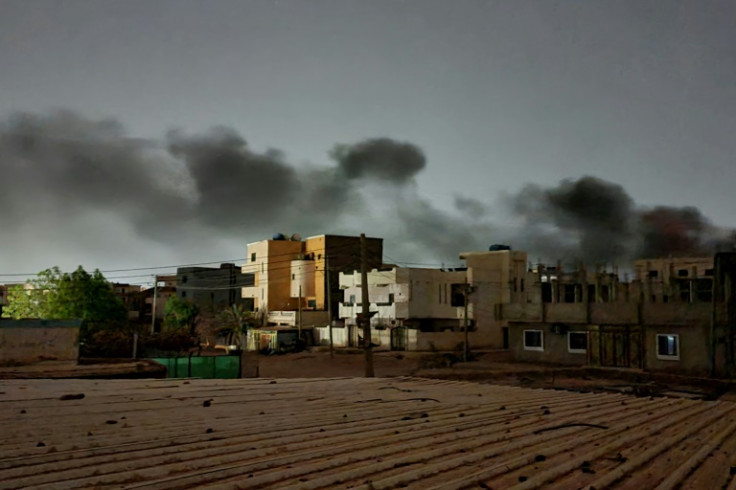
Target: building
407, 303
213, 289
153, 300
674, 315
291, 274
494, 277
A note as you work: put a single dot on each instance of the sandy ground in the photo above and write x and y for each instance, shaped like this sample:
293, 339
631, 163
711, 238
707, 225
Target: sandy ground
493, 367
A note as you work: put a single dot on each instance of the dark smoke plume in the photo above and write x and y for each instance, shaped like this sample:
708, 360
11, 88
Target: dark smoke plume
595, 221
82, 189
381, 159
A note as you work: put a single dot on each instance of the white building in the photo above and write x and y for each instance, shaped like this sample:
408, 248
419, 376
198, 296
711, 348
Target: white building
407, 302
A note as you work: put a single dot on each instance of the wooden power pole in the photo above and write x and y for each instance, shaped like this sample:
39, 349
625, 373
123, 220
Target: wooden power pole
329, 302
365, 316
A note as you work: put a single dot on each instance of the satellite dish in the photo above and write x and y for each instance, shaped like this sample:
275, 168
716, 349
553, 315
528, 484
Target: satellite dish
296, 237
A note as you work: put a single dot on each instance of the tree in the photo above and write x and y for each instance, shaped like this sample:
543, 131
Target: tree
63, 296
180, 315
233, 323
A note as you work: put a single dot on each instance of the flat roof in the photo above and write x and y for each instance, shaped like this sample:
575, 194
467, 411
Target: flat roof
354, 432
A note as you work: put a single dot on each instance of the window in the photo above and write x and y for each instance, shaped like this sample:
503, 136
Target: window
253, 257
312, 303
577, 342
708, 272
183, 294
682, 273
668, 347
569, 293
184, 279
653, 274
390, 298
293, 276
533, 340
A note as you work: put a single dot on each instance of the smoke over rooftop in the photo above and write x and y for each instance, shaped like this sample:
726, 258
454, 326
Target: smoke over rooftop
89, 189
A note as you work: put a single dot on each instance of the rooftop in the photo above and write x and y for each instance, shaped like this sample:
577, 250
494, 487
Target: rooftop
354, 432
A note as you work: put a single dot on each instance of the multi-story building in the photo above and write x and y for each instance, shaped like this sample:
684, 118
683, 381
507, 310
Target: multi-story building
213, 289
675, 314
494, 277
406, 303
291, 274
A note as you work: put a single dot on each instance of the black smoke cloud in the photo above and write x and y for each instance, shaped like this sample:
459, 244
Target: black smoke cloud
595, 221
381, 159
82, 188
63, 172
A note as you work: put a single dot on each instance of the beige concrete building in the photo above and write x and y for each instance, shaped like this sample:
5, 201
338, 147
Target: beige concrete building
408, 303
494, 278
292, 274
666, 318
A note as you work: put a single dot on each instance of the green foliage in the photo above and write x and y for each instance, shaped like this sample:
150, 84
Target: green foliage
180, 315
233, 323
62, 296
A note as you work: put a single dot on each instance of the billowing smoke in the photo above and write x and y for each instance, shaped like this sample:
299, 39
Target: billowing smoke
380, 159
83, 189
595, 221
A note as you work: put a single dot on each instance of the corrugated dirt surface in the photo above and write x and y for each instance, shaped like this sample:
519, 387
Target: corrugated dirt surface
355, 433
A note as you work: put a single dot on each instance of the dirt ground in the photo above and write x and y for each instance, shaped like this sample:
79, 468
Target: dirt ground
494, 368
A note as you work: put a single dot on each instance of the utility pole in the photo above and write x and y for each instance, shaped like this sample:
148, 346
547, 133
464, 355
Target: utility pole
365, 315
153, 309
467, 289
299, 318
329, 301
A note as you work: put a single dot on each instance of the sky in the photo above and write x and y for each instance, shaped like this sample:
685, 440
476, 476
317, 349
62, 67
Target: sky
141, 134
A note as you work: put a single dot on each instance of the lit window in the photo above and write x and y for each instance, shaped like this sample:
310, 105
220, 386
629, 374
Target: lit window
668, 347
533, 340
577, 342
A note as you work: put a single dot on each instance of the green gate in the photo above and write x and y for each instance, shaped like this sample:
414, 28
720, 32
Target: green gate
211, 367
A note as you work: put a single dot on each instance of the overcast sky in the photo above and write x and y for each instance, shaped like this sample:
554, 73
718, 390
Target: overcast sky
495, 95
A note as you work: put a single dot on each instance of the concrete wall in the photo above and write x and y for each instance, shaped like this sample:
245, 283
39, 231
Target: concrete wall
555, 347
443, 341
694, 349
339, 336
34, 340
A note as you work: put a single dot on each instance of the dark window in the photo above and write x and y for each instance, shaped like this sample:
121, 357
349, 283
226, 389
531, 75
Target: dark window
183, 294
604, 294
653, 273
312, 303
546, 292
569, 293
293, 276
577, 342
184, 279
457, 298
390, 298
533, 340
253, 257
682, 273
591, 293
668, 346
522, 285
708, 272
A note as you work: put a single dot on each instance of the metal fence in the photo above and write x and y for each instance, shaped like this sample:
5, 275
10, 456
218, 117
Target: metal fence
219, 367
